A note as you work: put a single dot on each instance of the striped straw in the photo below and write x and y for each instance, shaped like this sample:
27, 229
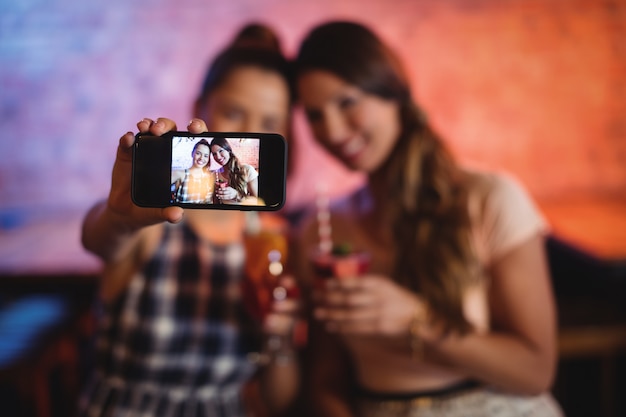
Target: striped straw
323, 220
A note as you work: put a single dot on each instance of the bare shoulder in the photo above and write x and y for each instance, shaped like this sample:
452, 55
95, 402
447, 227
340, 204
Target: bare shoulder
486, 184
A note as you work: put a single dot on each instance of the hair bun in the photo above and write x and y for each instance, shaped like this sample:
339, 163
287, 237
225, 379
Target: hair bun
257, 35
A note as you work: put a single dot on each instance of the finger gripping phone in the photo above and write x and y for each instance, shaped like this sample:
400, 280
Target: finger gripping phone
212, 170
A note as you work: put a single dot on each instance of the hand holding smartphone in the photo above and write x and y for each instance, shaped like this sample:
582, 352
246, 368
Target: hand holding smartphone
211, 170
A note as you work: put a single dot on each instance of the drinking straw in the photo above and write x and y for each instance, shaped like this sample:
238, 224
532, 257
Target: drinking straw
324, 228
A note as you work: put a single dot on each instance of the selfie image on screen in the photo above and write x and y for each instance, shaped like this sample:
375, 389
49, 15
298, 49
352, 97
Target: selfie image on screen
215, 170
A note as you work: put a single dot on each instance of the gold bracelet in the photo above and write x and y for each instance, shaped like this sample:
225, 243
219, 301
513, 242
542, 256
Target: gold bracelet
415, 341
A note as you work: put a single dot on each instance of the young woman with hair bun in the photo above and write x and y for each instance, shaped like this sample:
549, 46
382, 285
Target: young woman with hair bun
176, 337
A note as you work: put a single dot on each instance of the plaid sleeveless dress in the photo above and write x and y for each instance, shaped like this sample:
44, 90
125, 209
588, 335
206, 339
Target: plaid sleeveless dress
196, 189
176, 342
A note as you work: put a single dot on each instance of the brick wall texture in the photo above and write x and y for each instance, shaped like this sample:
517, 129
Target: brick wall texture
536, 88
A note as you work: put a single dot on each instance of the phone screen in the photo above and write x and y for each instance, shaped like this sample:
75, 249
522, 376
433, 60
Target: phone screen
244, 171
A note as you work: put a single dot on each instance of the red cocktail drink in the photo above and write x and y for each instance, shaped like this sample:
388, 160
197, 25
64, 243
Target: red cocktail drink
221, 184
341, 264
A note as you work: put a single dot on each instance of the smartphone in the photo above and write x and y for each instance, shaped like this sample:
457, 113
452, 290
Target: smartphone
212, 170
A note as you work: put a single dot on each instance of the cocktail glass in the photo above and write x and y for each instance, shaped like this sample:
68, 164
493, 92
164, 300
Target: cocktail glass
221, 184
340, 264
266, 253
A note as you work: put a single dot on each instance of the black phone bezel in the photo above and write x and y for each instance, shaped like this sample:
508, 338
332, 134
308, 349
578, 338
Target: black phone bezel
152, 162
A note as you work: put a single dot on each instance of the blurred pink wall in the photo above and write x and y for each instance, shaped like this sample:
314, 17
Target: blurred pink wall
532, 87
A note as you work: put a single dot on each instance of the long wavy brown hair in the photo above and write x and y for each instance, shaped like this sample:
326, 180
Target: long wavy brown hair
236, 177
426, 198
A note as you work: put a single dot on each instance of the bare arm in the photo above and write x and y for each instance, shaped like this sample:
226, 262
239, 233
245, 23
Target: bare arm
519, 353
329, 375
110, 226
280, 382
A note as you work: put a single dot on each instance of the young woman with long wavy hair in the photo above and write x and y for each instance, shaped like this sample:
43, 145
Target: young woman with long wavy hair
241, 179
455, 315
